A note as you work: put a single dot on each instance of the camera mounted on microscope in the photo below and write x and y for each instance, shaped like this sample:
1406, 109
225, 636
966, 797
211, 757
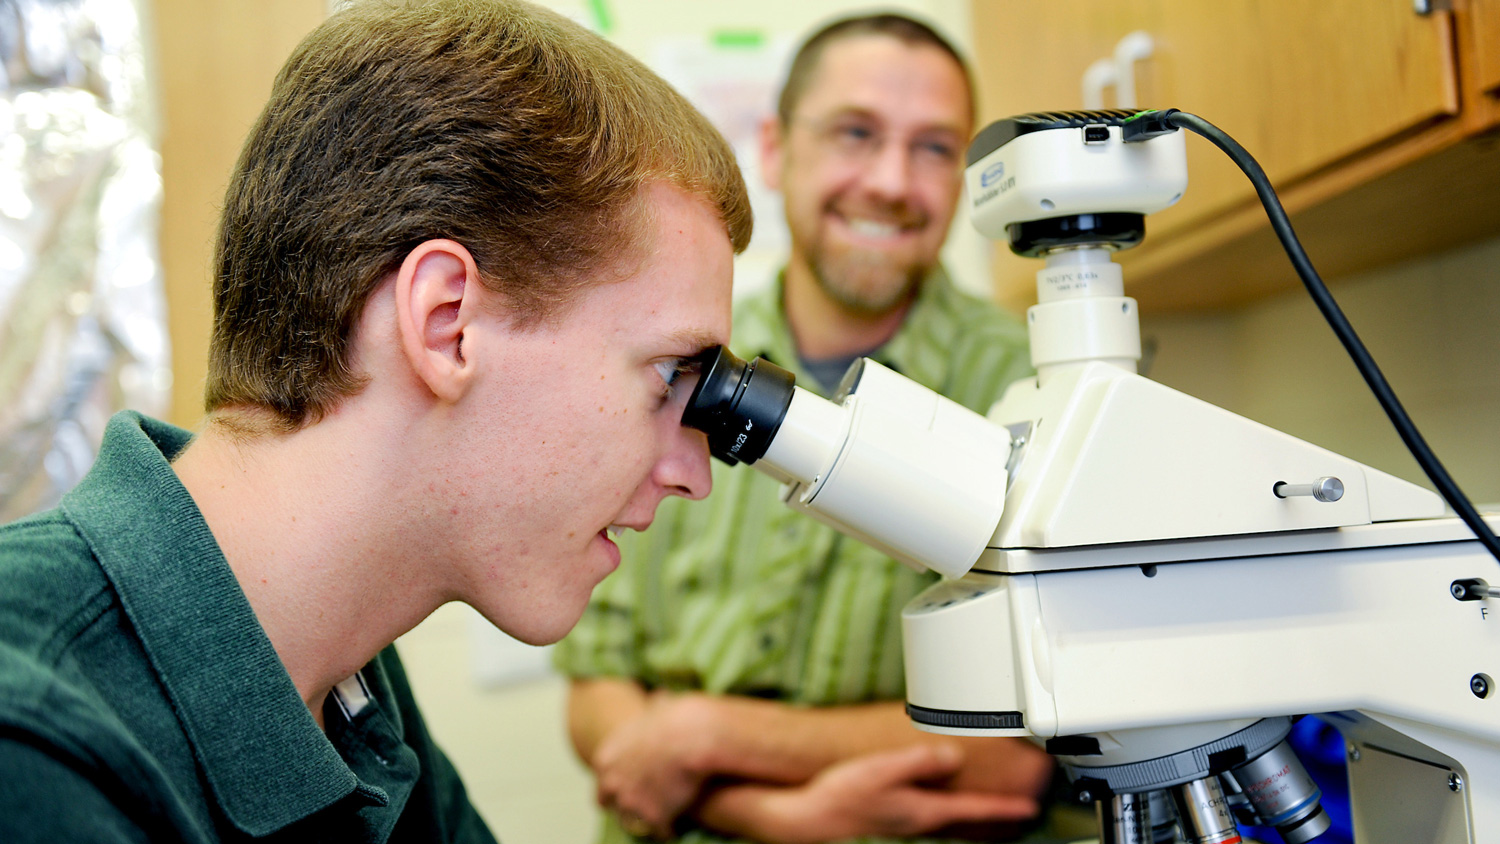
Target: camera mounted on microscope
1068, 179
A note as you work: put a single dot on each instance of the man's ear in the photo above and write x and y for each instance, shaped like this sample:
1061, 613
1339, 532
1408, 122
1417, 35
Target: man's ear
772, 152
437, 298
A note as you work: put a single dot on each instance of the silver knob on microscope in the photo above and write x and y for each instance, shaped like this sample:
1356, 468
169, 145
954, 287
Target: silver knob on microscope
1322, 489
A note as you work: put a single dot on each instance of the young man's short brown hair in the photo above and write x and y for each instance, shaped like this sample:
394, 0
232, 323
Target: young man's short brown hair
500, 125
907, 30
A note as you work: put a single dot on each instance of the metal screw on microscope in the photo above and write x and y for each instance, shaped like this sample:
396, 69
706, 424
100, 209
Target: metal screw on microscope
1479, 684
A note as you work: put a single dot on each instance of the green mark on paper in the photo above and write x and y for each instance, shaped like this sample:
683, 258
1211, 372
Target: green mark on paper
602, 20
738, 39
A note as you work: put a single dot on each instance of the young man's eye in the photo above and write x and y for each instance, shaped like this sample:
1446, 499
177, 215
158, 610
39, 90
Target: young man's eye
669, 370
676, 374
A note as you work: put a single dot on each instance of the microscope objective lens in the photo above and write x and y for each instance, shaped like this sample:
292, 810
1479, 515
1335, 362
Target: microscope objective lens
1163, 818
1125, 819
1283, 794
1203, 813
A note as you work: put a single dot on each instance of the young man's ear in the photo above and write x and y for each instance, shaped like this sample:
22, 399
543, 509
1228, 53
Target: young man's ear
437, 297
772, 151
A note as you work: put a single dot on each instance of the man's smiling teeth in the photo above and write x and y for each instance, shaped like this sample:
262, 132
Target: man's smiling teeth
871, 228
615, 530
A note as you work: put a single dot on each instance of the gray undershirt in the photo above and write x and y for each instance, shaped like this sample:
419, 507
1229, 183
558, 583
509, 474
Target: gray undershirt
828, 372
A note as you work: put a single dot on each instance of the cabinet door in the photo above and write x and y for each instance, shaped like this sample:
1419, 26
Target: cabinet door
1484, 46
216, 62
1301, 85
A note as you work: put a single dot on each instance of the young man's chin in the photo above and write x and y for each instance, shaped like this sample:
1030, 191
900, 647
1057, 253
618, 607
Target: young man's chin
547, 633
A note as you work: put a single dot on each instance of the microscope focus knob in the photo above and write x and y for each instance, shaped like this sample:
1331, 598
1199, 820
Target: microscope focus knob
1473, 589
1322, 489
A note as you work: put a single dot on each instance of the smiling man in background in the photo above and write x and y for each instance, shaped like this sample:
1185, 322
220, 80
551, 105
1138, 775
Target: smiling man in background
457, 297
741, 677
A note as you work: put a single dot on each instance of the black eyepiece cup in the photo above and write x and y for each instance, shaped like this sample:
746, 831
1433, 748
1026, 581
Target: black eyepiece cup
739, 405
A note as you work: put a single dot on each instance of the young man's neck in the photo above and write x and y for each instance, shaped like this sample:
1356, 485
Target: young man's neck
284, 514
825, 328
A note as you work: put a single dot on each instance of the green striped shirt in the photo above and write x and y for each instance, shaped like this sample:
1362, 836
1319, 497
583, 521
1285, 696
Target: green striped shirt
738, 594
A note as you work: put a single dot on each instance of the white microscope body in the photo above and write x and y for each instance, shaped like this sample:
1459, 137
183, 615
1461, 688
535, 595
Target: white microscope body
1167, 574
1153, 586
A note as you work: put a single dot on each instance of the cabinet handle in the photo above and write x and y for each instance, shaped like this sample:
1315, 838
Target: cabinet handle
1100, 75
1427, 7
1135, 47
1117, 71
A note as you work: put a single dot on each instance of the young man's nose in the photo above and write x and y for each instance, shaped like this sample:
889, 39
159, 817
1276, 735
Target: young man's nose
684, 470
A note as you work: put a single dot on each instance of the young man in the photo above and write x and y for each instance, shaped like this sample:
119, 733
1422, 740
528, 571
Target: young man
742, 676
464, 257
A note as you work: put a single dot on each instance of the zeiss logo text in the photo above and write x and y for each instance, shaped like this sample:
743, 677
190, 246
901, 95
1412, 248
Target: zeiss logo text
992, 175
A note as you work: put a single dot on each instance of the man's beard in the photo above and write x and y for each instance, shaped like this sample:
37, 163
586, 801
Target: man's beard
867, 282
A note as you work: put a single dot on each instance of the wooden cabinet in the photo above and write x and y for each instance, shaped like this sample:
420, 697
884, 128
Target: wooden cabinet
1480, 27
1339, 101
215, 61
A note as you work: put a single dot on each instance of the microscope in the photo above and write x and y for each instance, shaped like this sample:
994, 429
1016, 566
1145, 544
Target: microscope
1152, 587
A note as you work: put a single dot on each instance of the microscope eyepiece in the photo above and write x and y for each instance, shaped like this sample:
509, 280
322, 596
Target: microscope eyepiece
888, 462
739, 404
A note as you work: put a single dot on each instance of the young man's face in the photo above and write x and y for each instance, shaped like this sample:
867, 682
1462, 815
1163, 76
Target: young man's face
870, 167
584, 430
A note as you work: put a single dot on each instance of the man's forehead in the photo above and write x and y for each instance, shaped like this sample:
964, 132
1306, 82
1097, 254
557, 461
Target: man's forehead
684, 284
855, 75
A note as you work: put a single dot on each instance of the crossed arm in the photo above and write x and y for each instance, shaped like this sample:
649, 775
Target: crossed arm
782, 774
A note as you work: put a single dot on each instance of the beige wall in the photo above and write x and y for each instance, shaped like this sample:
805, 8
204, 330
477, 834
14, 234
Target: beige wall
1431, 326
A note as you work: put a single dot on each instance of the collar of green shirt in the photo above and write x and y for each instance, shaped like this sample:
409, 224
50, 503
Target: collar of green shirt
262, 753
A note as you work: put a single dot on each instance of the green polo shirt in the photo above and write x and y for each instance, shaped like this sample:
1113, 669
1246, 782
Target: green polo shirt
738, 593
140, 700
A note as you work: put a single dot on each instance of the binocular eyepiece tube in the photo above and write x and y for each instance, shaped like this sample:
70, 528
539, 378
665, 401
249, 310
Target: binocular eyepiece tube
887, 461
753, 413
